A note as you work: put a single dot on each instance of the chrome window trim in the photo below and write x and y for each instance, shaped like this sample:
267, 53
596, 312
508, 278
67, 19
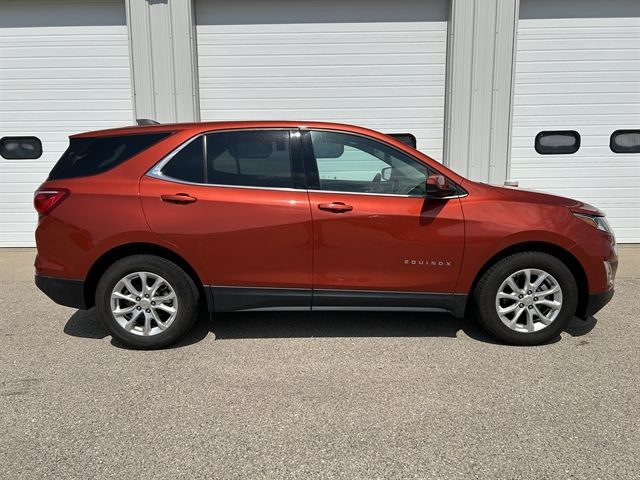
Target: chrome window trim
156, 170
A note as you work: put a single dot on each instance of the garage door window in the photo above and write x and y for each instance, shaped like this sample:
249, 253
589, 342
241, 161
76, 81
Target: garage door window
249, 158
20, 148
625, 141
557, 142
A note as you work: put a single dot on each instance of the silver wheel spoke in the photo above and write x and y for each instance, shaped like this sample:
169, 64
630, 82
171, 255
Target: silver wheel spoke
124, 311
164, 298
130, 287
508, 309
540, 300
541, 278
147, 324
129, 325
542, 318
514, 286
137, 310
549, 303
160, 323
122, 296
546, 293
515, 318
530, 325
166, 308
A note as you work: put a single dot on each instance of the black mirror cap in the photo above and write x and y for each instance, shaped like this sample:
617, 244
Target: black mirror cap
437, 187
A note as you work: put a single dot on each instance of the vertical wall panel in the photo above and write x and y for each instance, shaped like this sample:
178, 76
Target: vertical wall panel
479, 87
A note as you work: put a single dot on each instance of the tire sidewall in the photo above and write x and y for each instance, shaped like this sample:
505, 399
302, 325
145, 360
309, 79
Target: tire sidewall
486, 297
180, 282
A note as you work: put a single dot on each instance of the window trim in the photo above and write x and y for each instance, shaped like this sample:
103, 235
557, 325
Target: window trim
624, 150
573, 133
294, 152
24, 137
313, 175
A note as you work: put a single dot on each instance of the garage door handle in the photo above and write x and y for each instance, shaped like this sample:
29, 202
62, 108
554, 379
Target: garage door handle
179, 198
336, 207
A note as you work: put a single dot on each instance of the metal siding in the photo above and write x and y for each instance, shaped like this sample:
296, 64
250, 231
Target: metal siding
479, 87
375, 64
578, 68
64, 68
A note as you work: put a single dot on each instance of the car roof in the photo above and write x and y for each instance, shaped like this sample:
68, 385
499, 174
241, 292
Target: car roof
210, 126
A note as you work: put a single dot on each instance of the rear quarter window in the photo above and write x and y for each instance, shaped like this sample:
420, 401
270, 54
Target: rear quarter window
93, 155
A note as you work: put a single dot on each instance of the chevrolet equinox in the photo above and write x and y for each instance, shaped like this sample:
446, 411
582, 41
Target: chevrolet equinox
147, 223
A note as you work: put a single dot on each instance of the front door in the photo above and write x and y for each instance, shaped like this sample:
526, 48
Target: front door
243, 218
376, 237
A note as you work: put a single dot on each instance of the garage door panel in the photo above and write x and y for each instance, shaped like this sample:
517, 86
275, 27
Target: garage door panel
580, 74
64, 71
594, 66
379, 65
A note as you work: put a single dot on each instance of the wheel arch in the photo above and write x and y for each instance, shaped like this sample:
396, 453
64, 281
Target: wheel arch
554, 250
109, 257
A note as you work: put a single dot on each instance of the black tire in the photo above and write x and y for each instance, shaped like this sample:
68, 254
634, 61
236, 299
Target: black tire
485, 293
182, 284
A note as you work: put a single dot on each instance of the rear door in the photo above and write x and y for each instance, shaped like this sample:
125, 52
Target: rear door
236, 202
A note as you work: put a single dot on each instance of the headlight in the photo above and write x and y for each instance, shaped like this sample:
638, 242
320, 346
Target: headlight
597, 222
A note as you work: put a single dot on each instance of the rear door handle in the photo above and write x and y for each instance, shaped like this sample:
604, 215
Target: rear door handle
336, 207
179, 198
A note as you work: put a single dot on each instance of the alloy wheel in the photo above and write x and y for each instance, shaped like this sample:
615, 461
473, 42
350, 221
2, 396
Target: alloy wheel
529, 300
144, 303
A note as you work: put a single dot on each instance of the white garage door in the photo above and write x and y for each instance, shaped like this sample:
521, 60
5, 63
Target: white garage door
373, 63
64, 68
578, 68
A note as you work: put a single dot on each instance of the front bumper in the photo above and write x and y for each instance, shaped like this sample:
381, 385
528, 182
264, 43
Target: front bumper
595, 302
63, 291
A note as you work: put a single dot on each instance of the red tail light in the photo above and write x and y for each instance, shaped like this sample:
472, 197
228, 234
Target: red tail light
46, 200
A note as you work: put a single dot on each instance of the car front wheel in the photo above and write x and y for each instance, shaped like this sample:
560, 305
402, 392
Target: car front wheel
527, 298
146, 301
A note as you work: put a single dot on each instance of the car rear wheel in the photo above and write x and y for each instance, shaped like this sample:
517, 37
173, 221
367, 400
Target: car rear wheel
527, 298
146, 301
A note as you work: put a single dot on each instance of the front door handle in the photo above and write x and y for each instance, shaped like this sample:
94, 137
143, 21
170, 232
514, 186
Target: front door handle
336, 207
179, 198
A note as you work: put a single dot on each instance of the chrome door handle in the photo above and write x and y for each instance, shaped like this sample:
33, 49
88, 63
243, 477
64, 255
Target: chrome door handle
179, 198
336, 207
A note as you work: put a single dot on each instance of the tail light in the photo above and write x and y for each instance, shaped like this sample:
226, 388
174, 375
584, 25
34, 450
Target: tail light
45, 201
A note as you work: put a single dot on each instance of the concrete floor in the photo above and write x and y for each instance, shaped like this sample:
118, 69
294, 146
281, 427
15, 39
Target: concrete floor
320, 395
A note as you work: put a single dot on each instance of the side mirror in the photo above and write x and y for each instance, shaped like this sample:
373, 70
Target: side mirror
386, 173
437, 186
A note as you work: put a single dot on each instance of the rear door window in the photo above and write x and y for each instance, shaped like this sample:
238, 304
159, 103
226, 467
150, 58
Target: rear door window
252, 158
93, 155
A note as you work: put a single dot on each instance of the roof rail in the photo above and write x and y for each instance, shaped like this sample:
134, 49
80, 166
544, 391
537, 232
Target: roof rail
146, 121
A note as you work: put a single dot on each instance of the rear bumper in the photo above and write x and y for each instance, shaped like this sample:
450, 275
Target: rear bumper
63, 291
595, 302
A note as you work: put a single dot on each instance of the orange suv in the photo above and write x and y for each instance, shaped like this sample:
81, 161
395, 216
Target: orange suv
148, 222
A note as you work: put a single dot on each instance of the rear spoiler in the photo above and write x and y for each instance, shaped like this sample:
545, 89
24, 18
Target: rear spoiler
406, 138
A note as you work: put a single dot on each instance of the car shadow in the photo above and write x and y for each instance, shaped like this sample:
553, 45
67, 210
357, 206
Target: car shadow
255, 325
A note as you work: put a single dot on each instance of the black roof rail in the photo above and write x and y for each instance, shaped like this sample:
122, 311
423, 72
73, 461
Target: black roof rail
146, 121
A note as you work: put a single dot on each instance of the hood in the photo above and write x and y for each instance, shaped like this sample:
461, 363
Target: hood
531, 196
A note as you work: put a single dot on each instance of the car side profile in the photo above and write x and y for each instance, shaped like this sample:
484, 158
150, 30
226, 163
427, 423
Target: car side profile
149, 223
